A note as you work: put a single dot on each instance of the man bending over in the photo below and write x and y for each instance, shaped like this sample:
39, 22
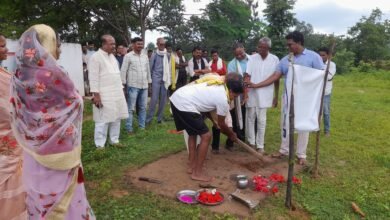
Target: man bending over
188, 104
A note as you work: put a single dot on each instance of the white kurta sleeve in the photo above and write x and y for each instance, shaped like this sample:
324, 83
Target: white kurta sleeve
206, 64
94, 74
249, 68
332, 70
191, 68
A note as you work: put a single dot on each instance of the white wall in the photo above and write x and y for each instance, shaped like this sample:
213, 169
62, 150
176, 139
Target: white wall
10, 62
70, 59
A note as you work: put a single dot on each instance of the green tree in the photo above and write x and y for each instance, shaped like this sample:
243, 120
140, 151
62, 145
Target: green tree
280, 18
79, 20
17, 15
140, 9
108, 18
151, 46
170, 19
189, 35
258, 27
344, 61
369, 38
74, 20
223, 22
312, 40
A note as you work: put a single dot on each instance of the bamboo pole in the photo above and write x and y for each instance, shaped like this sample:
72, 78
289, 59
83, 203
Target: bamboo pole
288, 202
317, 155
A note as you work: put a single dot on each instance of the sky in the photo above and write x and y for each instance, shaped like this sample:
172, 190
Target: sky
326, 16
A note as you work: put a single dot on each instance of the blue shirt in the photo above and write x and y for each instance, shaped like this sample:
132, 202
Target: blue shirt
232, 66
307, 58
120, 60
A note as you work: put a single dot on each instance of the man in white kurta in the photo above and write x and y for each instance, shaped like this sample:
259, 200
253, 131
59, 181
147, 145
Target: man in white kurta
259, 67
108, 98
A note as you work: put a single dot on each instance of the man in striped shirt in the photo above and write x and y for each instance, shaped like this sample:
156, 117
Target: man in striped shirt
135, 73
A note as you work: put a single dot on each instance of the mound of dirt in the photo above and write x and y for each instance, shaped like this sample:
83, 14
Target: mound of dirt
171, 171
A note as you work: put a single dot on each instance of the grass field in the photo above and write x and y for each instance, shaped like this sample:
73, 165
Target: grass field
354, 162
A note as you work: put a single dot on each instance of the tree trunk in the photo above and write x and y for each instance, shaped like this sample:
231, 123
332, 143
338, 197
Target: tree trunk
143, 28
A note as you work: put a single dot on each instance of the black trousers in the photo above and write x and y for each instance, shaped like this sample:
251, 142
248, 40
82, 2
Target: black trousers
240, 132
181, 79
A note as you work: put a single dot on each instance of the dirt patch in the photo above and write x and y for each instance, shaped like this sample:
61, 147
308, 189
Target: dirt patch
171, 171
253, 166
119, 193
299, 214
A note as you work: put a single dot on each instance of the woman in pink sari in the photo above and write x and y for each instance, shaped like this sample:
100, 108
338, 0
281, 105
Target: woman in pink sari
12, 195
47, 120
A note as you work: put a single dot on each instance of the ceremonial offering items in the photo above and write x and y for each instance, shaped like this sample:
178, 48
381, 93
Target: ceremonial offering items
209, 197
187, 196
237, 195
242, 181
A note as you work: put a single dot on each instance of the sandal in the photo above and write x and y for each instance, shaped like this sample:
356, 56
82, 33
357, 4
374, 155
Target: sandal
301, 161
278, 155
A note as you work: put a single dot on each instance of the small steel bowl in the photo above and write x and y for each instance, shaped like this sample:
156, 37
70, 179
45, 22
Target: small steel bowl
242, 181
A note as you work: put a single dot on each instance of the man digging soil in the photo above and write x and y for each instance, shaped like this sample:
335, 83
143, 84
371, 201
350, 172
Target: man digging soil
210, 93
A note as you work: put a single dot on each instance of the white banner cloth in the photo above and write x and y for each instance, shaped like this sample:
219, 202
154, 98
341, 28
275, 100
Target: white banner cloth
308, 85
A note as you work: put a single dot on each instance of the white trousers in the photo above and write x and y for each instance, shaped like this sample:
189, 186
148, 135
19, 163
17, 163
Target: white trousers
303, 140
101, 129
256, 137
186, 136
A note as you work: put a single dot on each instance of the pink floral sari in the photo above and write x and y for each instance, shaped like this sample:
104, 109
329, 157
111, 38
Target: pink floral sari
47, 119
12, 195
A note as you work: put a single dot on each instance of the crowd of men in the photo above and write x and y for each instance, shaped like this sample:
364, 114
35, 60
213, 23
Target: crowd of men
163, 72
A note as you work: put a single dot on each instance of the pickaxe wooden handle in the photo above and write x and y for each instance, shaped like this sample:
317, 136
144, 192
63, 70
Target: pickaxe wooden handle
251, 150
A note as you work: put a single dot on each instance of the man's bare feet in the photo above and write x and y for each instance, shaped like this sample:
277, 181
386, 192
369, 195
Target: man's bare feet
203, 178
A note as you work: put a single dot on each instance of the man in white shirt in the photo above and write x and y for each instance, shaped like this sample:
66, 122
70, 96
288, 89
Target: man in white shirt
135, 73
189, 102
324, 53
259, 67
108, 98
197, 65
